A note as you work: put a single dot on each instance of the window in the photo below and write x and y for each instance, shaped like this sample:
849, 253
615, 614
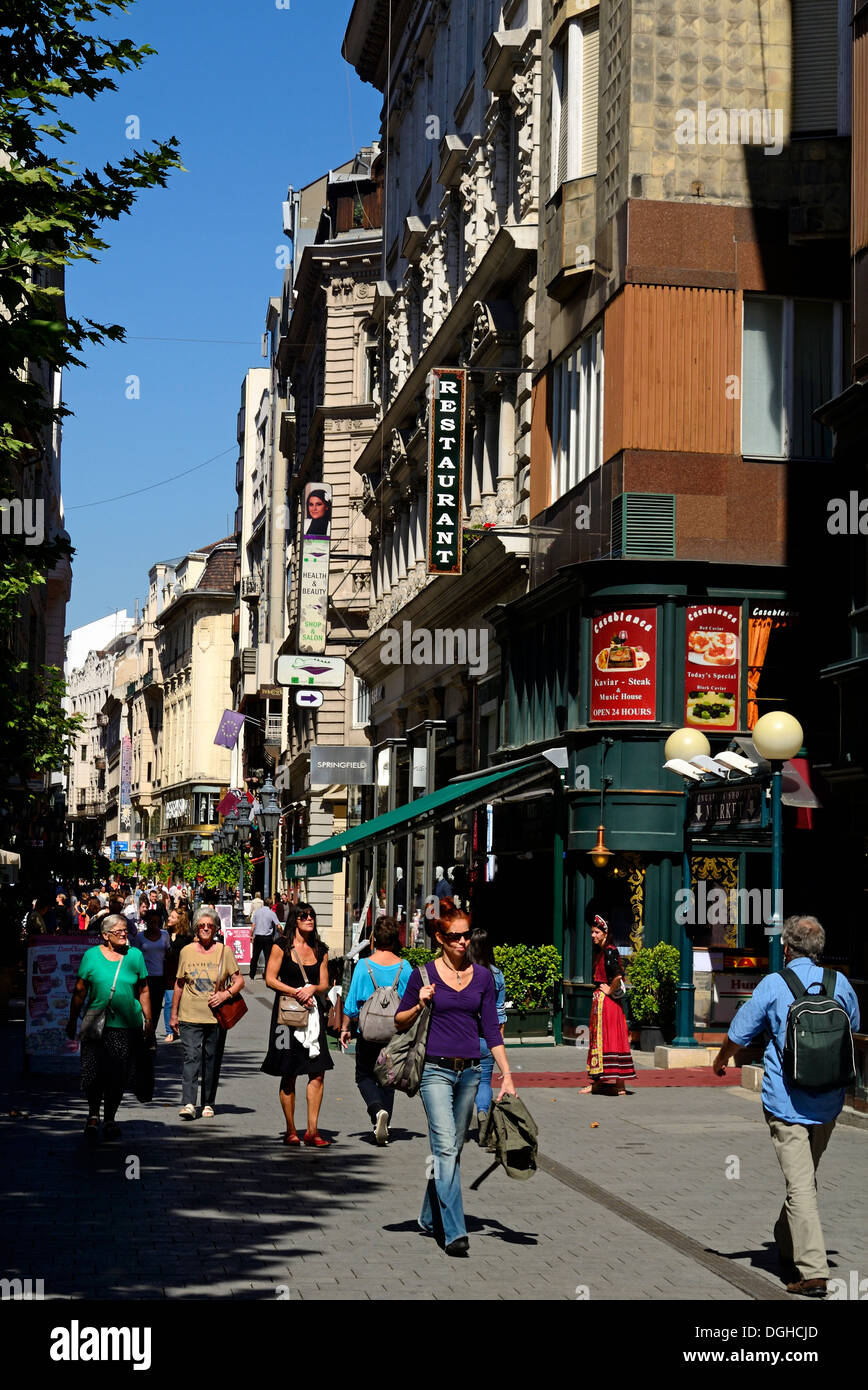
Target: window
575, 95
470, 51
791, 363
371, 380
577, 414
361, 704
815, 67
84, 752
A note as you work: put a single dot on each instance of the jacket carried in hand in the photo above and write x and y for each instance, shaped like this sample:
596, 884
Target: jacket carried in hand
510, 1134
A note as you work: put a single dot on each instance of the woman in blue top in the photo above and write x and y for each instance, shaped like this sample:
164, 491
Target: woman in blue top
480, 953
462, 999
382, 969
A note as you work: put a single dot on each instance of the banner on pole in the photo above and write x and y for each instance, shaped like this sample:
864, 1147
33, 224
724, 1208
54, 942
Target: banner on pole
314, 578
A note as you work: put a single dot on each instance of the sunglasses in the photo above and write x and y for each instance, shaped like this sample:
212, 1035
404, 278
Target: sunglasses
455, 935
305, 917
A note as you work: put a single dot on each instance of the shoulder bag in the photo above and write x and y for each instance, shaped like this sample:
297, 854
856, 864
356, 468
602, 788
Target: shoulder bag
401, 1062
232, 1011
93, 1023
290, 1013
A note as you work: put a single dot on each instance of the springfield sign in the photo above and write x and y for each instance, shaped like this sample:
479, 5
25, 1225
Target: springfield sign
447, 395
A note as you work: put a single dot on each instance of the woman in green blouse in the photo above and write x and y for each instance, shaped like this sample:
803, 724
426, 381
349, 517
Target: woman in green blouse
106, 1064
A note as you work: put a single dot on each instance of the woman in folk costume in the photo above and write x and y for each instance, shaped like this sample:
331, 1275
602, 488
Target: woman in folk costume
609, 1060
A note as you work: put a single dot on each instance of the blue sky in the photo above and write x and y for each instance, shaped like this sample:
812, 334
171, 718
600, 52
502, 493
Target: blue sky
259, 99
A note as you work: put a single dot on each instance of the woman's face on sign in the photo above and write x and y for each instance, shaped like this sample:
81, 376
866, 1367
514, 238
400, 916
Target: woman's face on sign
316, 508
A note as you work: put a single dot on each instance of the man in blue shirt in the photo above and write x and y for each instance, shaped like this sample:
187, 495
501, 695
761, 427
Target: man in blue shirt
800, 1122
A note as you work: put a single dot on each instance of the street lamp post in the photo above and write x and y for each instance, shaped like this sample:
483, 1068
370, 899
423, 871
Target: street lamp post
267, 821
686, 744
242, 832
776, 737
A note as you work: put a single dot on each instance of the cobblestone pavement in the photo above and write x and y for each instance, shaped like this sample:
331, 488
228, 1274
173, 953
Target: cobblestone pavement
665, 1194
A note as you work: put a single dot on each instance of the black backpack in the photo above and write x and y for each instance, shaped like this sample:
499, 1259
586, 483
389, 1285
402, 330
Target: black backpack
818, 1050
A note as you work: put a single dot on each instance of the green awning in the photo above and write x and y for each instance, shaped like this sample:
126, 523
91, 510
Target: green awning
463, 795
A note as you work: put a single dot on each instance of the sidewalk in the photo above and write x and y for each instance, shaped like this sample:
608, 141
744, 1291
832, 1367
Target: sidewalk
632, 1199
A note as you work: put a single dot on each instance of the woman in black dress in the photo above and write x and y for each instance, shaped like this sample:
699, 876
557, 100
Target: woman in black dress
296, 1052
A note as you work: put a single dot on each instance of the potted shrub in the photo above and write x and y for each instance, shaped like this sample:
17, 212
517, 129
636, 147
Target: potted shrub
652, 979
531, 975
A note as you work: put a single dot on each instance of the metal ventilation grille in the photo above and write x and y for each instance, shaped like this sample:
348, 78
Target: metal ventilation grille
643, 524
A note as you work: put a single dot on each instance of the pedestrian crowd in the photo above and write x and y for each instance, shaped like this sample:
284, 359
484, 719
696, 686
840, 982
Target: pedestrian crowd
448, 1015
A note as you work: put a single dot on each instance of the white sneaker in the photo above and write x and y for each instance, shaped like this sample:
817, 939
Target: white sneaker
381, 1128
187, 1112
207, 1112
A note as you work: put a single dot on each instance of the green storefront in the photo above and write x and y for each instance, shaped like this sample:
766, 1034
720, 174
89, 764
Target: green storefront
692, 630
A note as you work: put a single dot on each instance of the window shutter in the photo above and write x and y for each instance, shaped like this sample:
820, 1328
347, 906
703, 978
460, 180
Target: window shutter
564, 123
815, 66
590, 93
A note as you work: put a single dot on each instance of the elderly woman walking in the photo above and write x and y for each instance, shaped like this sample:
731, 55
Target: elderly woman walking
207, 975
114, 978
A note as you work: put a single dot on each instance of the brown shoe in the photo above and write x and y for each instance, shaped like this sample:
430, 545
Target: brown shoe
811, 1288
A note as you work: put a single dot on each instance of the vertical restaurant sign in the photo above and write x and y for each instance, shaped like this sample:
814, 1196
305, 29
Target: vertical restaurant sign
624, 666
313, 594
447, 393
712, 666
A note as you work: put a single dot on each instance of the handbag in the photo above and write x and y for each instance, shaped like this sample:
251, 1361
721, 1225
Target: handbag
232, 1011
93, 1023
402, 1060
290, 1013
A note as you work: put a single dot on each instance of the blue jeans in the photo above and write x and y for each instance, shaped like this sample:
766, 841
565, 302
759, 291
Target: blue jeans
486, 1062
448, 1097
167, 1011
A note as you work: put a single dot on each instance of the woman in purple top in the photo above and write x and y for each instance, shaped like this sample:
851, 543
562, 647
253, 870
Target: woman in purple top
462, 999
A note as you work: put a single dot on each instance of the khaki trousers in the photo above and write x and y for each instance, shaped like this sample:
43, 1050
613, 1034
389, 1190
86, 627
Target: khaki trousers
798, 1233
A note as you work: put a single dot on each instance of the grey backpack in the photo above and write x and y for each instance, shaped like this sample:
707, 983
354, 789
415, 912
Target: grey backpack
402, 1061
377, 1014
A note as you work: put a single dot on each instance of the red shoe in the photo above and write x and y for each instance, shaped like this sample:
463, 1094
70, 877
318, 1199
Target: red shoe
316, 1141
291, 1139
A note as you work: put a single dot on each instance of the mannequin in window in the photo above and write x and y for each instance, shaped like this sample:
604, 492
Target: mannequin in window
400, 895
442, 886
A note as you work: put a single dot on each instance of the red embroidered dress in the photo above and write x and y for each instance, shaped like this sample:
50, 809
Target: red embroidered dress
609, 1057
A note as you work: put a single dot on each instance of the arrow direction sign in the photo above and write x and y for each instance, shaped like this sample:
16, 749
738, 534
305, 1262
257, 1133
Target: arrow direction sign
329, 672
308, 699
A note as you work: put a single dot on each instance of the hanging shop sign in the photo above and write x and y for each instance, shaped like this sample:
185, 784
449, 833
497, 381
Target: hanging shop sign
343, 767
126, 809
447, 390
712, 666
328, 672
727, 811
313, 589
624, 666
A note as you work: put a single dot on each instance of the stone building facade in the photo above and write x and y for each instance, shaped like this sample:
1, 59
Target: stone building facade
461, 132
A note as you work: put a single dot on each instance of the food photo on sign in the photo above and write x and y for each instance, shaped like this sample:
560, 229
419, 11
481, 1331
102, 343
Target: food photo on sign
712, 667
624, 665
